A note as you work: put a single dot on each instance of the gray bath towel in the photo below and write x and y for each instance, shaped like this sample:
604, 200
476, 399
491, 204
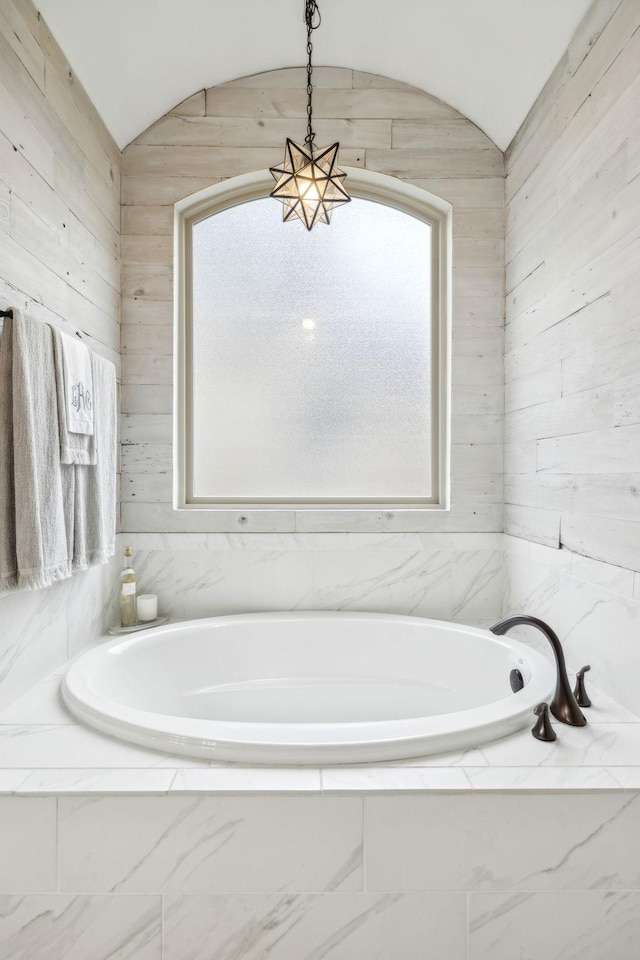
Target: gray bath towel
42, 487
95, 487
74, 447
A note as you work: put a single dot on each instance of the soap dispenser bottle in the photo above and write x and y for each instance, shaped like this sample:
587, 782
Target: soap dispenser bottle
128, 613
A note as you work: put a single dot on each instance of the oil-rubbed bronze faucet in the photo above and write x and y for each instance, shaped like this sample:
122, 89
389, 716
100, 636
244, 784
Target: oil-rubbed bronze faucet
563, 704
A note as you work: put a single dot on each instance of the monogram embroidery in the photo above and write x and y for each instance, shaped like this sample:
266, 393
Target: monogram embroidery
80, 397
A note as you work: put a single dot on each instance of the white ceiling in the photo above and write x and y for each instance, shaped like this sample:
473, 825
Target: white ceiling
487, 58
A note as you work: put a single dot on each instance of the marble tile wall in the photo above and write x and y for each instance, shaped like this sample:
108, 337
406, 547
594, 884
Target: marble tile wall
445, 576
466, 877
594, 607
40, 629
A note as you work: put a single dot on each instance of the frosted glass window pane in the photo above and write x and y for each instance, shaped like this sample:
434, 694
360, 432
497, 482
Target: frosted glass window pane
311, 356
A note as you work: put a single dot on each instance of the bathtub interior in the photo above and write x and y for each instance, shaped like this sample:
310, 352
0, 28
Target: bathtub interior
346, 669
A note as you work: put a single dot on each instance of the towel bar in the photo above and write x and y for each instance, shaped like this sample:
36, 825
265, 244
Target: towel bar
9, 313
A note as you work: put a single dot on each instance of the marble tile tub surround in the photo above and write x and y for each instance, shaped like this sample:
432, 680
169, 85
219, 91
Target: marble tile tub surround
44, 750
471, 578
445, 576
463, 856
111, 850
40, 629
460, 577
594, 607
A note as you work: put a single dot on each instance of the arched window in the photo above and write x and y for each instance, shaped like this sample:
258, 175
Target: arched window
312, 368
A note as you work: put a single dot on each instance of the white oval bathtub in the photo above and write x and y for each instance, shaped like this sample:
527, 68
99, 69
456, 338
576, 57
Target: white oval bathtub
307, 688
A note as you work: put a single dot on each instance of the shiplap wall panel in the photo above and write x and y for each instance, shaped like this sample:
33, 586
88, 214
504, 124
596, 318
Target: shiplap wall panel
34, 128
531, 136
572, 335
626, 409
249, 132
15, 28
293, 77
195, 106
147, 221
60, 187
563, 417
533, 523
384, 126
554, 492
340, 102
603, 538
146, 428
594, 495
138, 191
135, 310
5, 208
566, 106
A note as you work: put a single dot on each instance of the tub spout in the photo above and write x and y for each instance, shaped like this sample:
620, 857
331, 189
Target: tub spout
563, 704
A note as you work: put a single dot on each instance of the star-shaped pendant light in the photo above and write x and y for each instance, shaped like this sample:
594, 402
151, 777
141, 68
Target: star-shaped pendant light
309, 182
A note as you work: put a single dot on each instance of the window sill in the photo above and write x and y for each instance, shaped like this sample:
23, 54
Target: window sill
324, 520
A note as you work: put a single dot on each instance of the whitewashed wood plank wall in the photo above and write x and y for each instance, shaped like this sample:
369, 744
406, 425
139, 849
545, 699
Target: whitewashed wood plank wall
59, 188
382, 125
572, 339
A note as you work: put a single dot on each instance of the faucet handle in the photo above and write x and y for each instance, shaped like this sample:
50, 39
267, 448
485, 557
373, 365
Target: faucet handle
579, 692
543, 729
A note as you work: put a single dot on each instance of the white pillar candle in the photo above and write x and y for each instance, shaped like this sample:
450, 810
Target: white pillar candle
147, 607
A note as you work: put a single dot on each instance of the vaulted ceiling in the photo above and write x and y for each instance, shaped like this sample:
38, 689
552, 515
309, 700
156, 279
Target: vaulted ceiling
487, 58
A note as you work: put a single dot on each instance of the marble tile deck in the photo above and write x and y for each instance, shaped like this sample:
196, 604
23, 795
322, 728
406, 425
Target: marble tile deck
44, 751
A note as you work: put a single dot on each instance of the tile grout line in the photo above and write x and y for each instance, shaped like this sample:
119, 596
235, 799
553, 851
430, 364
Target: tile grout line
162, 910
467, 919
172, 782
364, 846
58, 844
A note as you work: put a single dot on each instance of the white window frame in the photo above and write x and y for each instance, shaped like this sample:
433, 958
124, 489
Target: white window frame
367, 185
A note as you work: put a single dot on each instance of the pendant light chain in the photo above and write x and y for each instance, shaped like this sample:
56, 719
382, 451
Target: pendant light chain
312, 20
309, 182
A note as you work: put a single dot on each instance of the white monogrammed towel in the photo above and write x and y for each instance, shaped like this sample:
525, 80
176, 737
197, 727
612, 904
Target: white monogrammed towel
74, 447
78, 385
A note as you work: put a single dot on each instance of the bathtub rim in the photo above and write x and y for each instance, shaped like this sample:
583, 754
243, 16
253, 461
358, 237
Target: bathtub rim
193, 737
